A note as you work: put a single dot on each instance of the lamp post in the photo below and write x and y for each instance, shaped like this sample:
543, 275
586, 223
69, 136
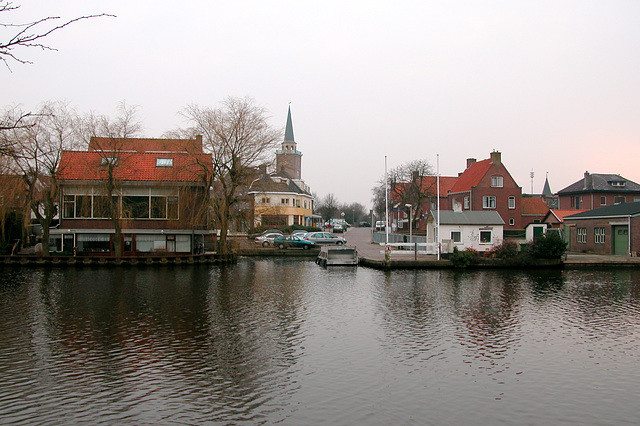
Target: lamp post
410, 224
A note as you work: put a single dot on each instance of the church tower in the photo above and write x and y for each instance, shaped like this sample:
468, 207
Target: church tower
288, 158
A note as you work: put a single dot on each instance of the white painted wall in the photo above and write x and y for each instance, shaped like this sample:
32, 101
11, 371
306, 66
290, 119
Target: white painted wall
469, 234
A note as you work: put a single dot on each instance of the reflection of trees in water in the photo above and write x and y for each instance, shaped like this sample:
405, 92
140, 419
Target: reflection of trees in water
188, 335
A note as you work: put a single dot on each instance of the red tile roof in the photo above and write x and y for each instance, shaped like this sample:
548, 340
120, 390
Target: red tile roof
471, 176
142, 145
82, 165
560, 214
429, 184
534, 206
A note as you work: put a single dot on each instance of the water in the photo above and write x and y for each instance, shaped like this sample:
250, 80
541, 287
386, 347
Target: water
288, 342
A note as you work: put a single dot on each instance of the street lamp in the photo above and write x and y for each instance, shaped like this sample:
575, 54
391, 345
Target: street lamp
410, 224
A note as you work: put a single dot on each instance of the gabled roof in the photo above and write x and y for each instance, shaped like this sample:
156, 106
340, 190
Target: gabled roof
450, 217
133, 166
472, 176
616, 210
560, 214
534, 206
601, 182
142, 145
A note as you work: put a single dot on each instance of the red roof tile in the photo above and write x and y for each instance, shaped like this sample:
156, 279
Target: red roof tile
471, 176
535, 206
560, 214
142, 145
429, 184
76, 165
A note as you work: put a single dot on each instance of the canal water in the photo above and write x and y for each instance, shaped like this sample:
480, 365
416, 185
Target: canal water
288, 342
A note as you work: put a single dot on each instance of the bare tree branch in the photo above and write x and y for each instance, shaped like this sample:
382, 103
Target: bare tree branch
31, 34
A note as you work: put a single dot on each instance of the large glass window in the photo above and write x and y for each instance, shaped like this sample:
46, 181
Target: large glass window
93, 242
135, 207
101, 208
83, 206
69, 208
158, 207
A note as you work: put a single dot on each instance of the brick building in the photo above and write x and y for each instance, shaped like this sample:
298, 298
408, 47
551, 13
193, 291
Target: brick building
596, 190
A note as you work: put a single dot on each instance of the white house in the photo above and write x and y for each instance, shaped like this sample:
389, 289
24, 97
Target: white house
479, 230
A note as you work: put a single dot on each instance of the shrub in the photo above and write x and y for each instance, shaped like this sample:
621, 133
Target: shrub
463, 259
506, 250
548, 246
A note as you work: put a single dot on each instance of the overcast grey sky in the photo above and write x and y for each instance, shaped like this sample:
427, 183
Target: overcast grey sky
553, 85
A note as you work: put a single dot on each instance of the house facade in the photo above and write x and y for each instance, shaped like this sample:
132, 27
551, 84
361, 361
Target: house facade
597, 190
154, 190
607, 230
487, 185
478, 230
282, 198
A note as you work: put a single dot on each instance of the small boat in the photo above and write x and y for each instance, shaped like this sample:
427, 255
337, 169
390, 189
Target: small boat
337, 255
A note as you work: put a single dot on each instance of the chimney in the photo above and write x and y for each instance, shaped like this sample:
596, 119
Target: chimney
496, 157
470, 162
415, 175
587, 180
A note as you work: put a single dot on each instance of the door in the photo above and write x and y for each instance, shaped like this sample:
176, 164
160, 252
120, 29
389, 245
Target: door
538, 231
620, 239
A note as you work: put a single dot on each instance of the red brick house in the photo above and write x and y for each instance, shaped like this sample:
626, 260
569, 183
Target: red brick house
487, 185
606, 230
160, 188
596, 190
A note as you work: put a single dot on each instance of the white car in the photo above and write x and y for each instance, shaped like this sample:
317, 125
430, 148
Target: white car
325, 238
266, 240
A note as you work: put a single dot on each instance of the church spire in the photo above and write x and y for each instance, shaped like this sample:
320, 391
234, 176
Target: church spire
288, 132
546, 191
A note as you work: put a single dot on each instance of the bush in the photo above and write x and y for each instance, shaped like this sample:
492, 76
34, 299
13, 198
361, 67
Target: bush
506, 250
548, 246
463, 259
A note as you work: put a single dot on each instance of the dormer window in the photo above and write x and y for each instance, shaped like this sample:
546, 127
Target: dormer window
496, 181
164, 162
617, 183
109, 160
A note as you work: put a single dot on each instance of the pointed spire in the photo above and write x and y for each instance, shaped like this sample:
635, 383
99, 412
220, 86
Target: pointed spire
288, 132
546, 190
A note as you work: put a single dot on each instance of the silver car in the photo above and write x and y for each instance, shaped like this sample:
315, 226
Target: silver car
267, 239
325, 238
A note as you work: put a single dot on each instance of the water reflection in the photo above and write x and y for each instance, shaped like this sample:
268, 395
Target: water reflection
285, 341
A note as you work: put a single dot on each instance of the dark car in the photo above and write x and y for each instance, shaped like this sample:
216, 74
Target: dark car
364, 225
294, 241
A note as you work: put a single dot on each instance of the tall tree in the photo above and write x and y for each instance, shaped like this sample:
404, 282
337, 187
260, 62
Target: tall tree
112, 130
327, 206
38, 146
239, 138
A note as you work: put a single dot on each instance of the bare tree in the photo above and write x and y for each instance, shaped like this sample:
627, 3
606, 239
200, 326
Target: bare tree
30, 34
239, 139
112, 131
327, 206
409, 183
36, 158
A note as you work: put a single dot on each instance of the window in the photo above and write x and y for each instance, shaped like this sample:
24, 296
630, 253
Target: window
164, 162
581, 235
135, 207
603, 201
618, 183
619, 199
599, 235
282, 201
496, 181
466, 203
69, 207
158, 207
512, 221
512, 202
266, 200
456, 236
83, 206
109, 160
101, 207
485, 237
489, 202
172, 208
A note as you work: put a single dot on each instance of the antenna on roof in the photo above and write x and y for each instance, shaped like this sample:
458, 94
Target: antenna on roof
532, 174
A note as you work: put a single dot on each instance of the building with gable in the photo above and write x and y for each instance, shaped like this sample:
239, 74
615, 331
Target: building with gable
158, 187
282, 198
596, 190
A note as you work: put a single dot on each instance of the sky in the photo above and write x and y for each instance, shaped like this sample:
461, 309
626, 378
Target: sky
553, 85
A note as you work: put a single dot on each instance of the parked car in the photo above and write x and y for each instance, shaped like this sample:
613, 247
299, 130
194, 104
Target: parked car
300, 232
268, 231
267, 239
325, 238
364, 225
380, 225
338, 227
287, 241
